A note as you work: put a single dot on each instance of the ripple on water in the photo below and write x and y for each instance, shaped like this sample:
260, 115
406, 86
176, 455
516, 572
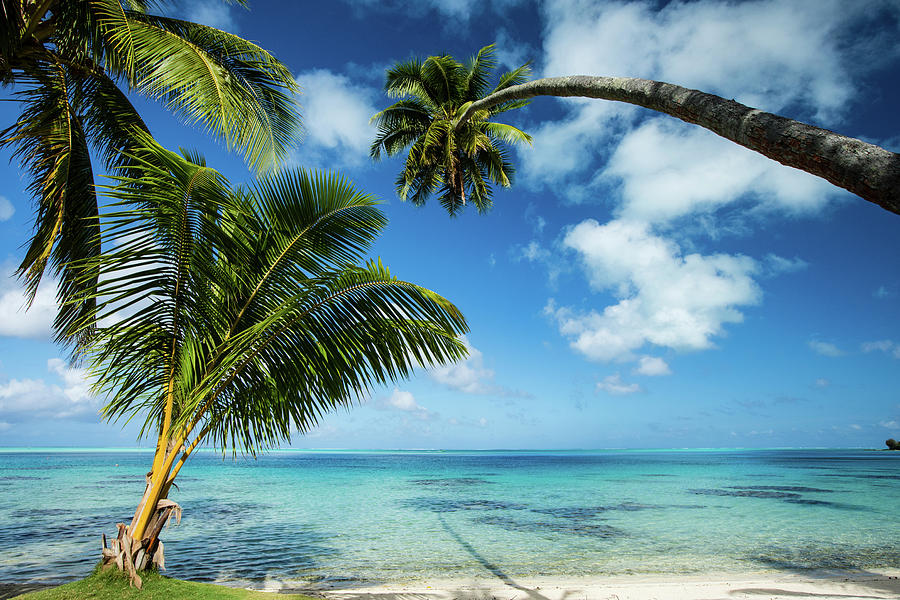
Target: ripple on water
779, 488
445, 505
450, 482
586, 512
773, 493
270, 550
571, 527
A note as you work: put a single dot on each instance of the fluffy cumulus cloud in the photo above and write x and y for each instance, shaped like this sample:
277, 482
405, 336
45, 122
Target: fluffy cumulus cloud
652, 366
470, 376
768, 53
7, 210
665, 297
777, 56
405, 402
667, 169
66, 398
16, 320
614, 385
336, 112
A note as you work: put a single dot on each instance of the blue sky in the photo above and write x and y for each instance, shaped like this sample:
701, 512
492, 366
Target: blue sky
643, 284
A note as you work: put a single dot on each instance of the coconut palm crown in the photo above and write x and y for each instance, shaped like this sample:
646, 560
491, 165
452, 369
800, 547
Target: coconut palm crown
73, 64
234, 317
457, 164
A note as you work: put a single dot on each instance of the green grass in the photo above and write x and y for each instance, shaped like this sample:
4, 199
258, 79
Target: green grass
113, 585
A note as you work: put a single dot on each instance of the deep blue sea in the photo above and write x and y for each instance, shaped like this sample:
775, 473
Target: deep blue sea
320, 518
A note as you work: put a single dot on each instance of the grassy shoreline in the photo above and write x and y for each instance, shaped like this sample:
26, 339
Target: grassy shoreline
113, 585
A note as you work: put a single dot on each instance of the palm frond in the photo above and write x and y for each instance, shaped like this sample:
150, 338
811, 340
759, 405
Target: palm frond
244, 302
479, 68
506, 133
445, 78
407, 79
452, 162
232, 87
50, 142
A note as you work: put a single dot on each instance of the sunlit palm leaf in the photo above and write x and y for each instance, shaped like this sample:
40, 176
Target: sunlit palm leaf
50, 142
75, 61
457, 164
231, 86
245, 303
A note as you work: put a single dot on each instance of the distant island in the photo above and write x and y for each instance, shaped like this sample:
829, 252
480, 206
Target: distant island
892, 444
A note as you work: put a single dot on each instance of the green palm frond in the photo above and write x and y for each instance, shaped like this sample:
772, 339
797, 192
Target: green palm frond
73, 63
444, 76
231, 86
457, 164
398, 126
50, 142
111, 122
407, 79
517, 76
506, 133
479, 68
12, 23
245, 302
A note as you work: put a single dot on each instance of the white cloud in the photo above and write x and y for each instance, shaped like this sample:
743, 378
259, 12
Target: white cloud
777, 265
561, 148
336, 113
7, 210
889, 424
769, 54
855, 427
666, 298
15, 320
470, 376
214, 13
614, 385
669, 169
533, 252
825, 348
454, 12
404, 401
36, 399
511, 53
887, 346
822, 382
652, 366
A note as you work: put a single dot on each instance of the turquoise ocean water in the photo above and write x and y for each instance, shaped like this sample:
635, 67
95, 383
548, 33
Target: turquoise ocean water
322, 518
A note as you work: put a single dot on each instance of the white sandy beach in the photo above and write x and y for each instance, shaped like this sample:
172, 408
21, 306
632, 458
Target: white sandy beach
828, 586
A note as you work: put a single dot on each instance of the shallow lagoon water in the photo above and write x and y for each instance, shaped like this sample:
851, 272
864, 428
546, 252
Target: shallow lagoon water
331, 518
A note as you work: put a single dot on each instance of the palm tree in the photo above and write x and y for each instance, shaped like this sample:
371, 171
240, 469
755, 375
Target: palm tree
867, 170
235, 317
457, 163
73, 63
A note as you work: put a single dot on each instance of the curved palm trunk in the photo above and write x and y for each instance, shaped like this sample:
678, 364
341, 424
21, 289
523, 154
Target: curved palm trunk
867, 170
137, 546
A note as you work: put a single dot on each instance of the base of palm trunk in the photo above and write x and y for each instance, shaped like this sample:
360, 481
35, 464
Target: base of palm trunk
133, 556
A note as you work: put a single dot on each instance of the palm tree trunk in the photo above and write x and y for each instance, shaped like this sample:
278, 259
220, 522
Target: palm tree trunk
137, 546
867, 170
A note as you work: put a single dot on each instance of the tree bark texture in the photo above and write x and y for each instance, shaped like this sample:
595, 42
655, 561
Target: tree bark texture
867, 170
132, 555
